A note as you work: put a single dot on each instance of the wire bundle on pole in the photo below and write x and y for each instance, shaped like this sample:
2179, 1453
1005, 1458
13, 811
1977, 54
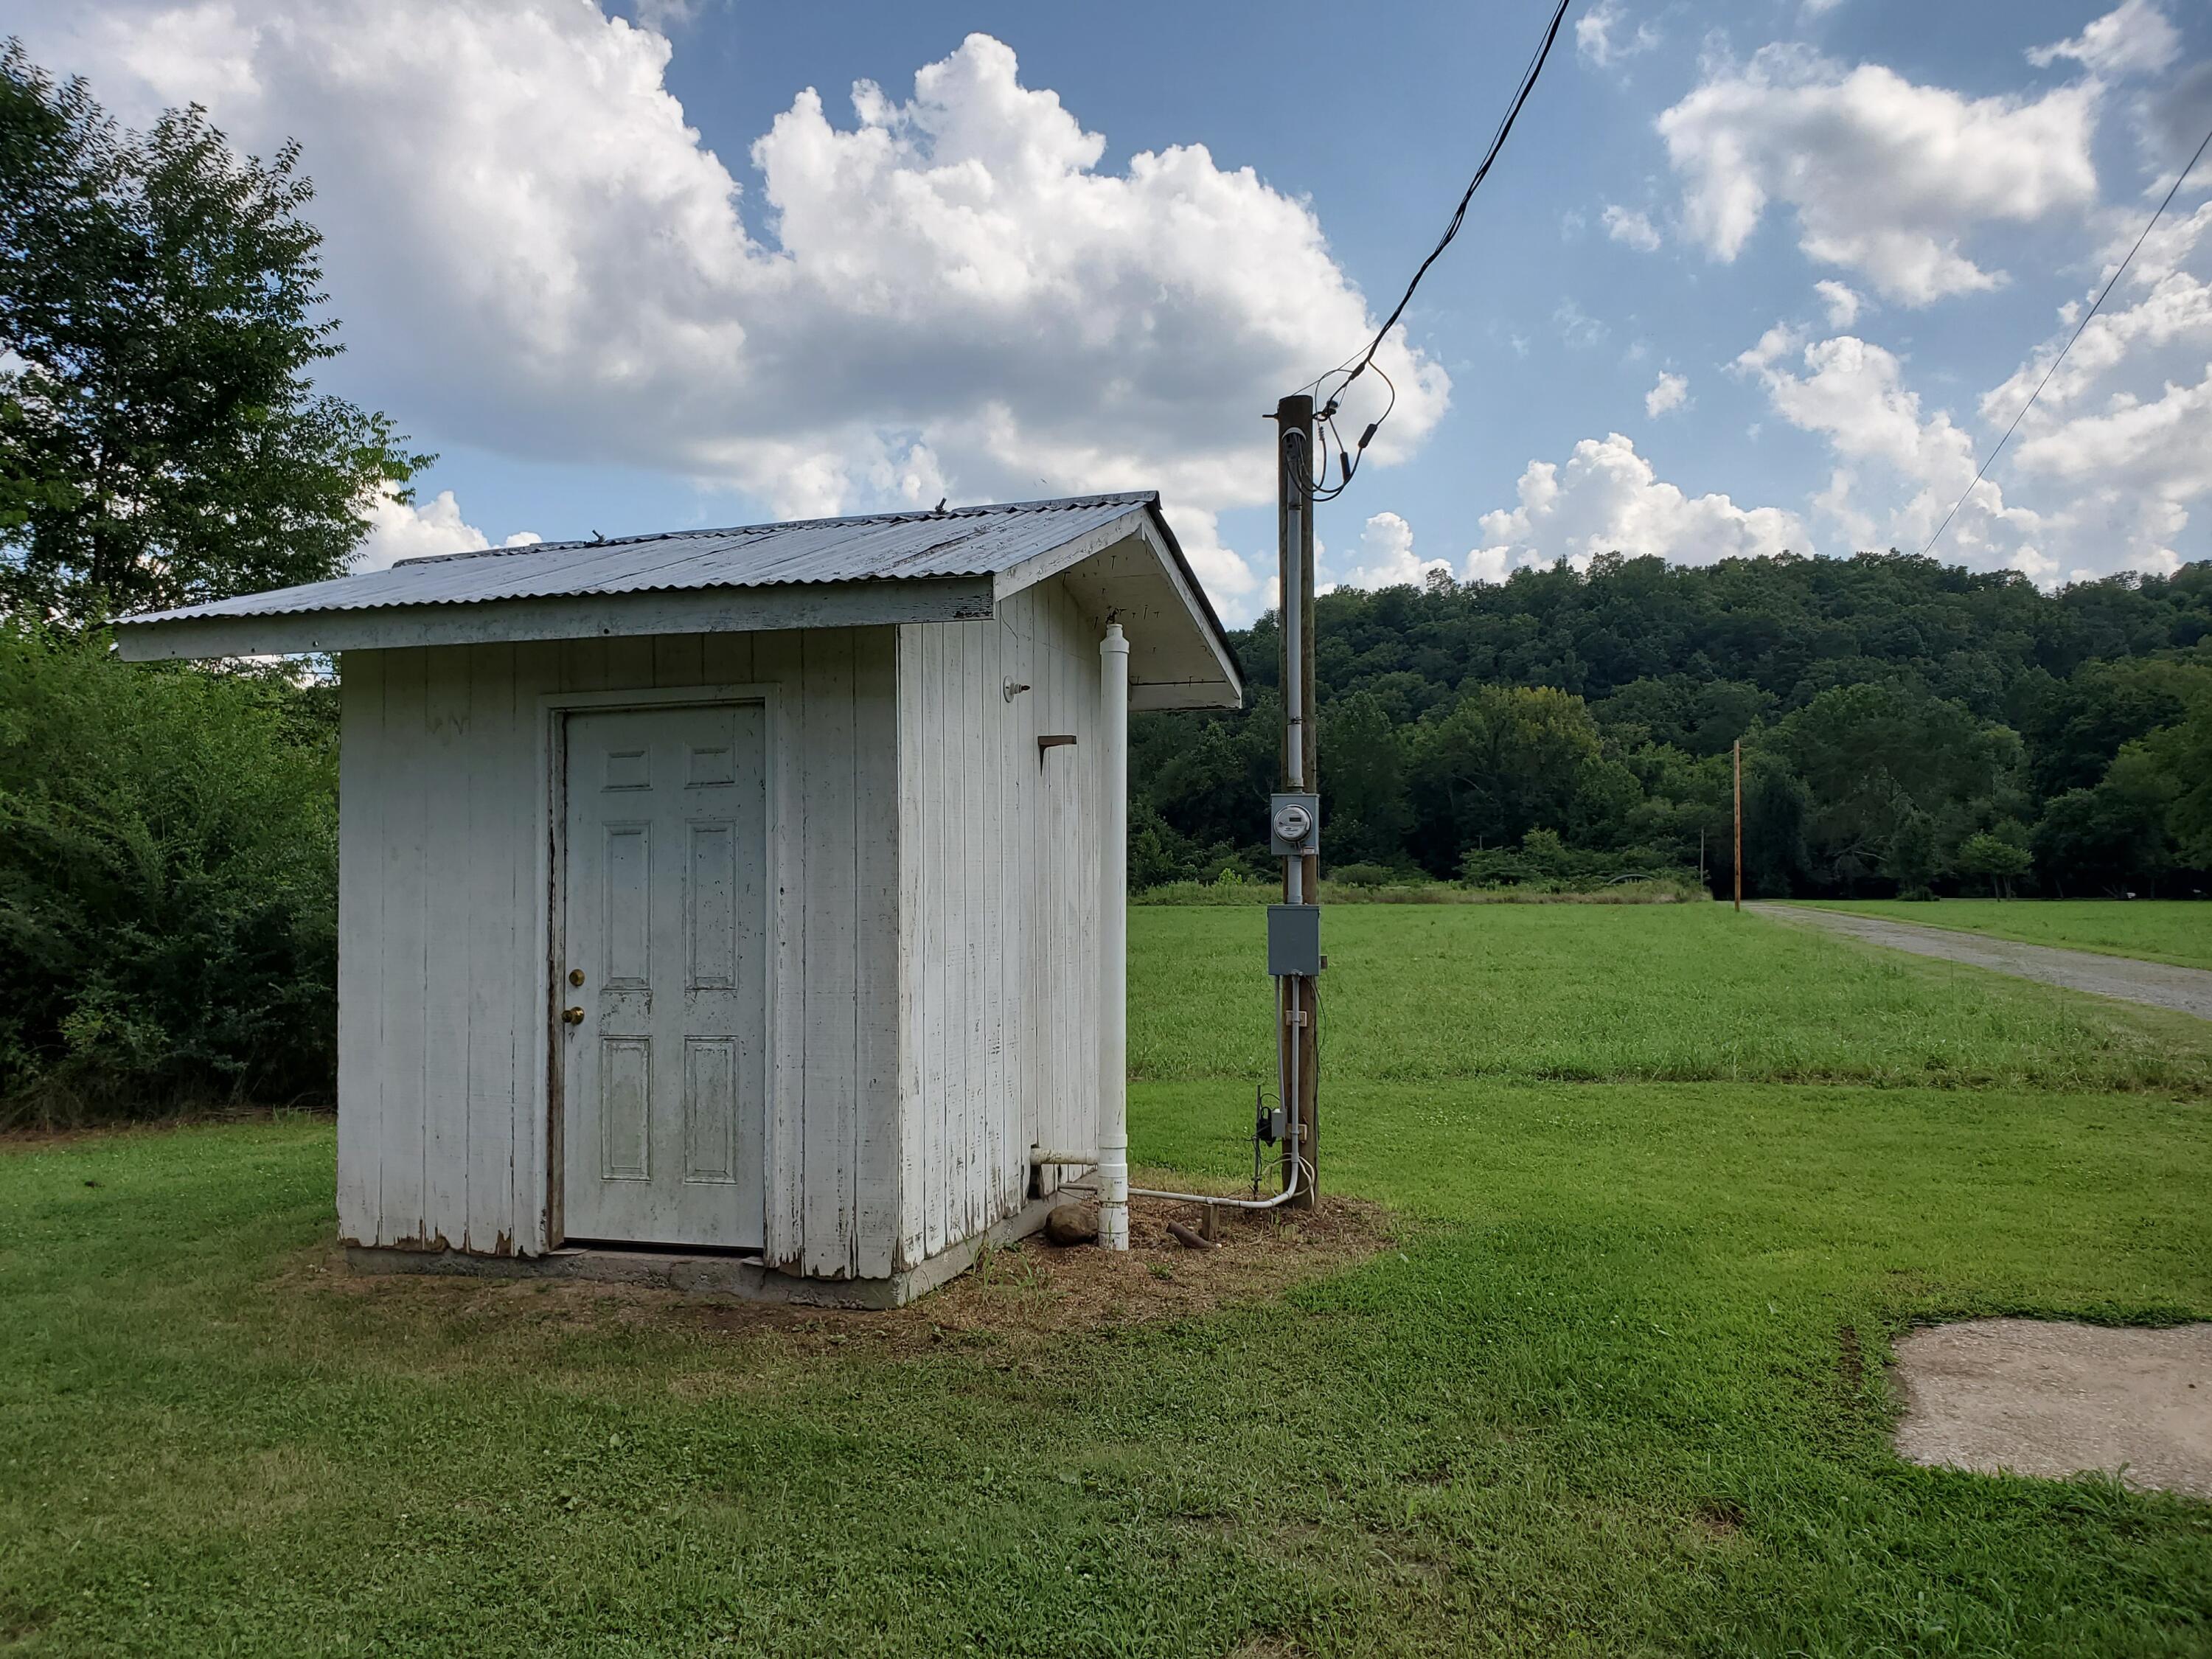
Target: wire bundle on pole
1350, 455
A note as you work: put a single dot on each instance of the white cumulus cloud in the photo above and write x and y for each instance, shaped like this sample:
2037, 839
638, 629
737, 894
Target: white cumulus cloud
400, 529
1607, 498
1603, 37
1626, 225
942, 292
1385, 557
1884, 176
2108, 464
2135, 38
1842, 300
1673, 391
1899, 471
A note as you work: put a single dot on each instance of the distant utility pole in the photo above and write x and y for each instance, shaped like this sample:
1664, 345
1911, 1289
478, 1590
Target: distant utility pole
1301, 766
1739, 823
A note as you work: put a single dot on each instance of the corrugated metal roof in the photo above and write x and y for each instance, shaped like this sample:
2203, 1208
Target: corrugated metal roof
968, 541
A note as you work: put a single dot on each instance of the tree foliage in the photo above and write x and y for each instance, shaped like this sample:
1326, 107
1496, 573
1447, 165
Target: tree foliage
168, 883
161, 441
1894, 711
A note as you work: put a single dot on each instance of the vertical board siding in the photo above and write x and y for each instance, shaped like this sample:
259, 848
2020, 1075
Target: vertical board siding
998, 906
913, 1162
447, 759
777, 660
444, 1018
824, 721
402, 938
874, 1128
929, 975
361, 769
499, 884
530, 989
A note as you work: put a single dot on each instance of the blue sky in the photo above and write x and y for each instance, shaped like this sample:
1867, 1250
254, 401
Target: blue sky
563, 264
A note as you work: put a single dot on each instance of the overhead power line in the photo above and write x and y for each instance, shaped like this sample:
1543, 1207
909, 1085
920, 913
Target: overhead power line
2094, 308
1348, 457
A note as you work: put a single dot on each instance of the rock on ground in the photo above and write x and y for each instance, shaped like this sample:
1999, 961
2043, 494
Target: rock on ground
1072, 1223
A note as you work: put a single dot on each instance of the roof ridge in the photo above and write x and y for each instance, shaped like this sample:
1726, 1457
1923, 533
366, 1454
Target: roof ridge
983, 509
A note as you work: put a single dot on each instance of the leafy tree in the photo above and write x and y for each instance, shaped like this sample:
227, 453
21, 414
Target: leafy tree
1873, 756
1775, 807
1910, 859
160, 440
1364, 790
2181, 755
1996, 861
169, 885
2100, 841
1503, 761
2075, 726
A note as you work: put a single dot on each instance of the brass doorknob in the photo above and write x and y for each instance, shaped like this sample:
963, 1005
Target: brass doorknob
572, 1016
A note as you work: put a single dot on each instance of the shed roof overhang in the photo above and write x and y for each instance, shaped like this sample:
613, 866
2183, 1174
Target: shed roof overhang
1118, 559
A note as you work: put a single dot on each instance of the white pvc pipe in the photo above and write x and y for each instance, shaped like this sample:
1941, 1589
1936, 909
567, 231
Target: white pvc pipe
1114, 941
1294, 645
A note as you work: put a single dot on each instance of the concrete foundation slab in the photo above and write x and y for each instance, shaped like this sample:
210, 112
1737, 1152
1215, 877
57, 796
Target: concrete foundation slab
2041, 1397
746, 1278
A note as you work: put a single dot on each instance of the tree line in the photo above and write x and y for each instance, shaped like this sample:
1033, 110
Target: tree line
1908, 727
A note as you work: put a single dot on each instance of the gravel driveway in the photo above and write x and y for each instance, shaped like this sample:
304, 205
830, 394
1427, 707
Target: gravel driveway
2187, 990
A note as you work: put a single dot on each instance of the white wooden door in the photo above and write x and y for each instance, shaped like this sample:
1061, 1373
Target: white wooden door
665, 916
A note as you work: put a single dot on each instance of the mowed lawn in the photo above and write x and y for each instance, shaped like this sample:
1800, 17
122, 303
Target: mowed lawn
2178, 931
1669, 1180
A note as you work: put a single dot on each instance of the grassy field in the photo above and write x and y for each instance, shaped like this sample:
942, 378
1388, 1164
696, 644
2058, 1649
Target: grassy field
1669, 1179
2178, 931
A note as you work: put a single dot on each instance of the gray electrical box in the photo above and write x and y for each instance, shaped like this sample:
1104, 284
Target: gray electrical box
1293, 824
1293, 940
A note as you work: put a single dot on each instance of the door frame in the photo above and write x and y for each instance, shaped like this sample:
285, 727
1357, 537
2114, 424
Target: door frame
784, 864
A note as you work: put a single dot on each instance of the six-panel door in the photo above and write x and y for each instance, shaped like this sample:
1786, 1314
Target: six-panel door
665, 915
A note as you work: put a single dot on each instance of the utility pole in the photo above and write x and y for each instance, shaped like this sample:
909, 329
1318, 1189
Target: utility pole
1298, 1037
1739, 823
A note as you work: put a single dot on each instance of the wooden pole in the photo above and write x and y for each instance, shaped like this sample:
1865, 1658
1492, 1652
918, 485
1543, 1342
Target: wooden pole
1739, 823
1299, 1050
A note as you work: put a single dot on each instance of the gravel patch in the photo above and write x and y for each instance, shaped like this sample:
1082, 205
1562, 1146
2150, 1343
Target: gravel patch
2185, 990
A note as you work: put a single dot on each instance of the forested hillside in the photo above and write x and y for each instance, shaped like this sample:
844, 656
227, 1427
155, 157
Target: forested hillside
1908, 726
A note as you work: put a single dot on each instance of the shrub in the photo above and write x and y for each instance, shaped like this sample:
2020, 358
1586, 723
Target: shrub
1364, 875
1544, 863
168, 879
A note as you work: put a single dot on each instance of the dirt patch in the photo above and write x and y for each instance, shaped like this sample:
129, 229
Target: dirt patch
1720, 1517
1030, 1288
1851, 1363
1042, 1288
2041, 1397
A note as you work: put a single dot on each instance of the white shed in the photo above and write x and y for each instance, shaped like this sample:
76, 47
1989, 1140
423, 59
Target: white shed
729, 897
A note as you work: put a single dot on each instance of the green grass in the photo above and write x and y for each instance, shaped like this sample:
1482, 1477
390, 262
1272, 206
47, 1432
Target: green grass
2178, 931
1620, 1391
1677, 994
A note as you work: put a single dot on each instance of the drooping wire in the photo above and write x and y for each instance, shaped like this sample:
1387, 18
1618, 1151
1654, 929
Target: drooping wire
1359, 362
1982, 472
1348, 456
